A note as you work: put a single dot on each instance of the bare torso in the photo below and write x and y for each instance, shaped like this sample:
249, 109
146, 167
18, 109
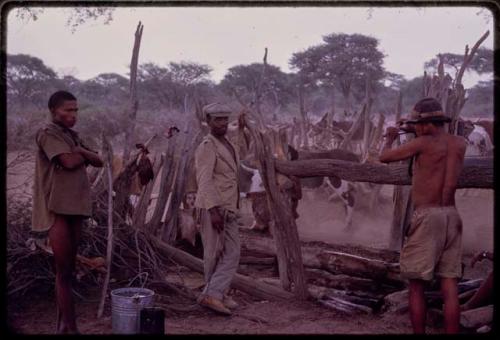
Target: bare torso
436, 170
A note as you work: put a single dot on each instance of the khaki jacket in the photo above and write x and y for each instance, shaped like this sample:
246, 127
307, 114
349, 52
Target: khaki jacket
216, 175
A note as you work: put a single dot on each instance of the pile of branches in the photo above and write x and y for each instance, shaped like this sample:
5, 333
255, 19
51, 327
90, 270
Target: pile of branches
135, 261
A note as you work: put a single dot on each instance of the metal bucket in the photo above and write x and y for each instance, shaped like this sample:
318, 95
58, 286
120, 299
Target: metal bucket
126, 304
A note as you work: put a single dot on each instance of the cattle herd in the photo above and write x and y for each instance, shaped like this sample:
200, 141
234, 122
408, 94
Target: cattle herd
319, 140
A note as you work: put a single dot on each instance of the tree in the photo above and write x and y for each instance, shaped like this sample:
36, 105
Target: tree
187, 76
243, 82
343, 61
482, 62
412, 91
76, 15
189, 73
480, 100
105, 89
155, 86
29, 81
173, 85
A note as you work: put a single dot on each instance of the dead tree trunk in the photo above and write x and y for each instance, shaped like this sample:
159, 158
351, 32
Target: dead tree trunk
355, 126
331, 114
241, 282
284, 228
109, 246
303, 127
457, 100
165, 186
139, 217
477, 172
366, 120
401, 198
262, 80
451, 93
168, 230
129, 133
372, 264
179, 188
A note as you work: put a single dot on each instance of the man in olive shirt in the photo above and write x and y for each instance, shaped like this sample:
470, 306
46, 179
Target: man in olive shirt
61, 196
216, 165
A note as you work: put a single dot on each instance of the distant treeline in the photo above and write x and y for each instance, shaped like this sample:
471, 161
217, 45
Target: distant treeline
333, 75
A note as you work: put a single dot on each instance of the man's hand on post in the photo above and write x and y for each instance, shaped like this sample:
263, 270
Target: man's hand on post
216, 218
391, 133
241, 120
403, 126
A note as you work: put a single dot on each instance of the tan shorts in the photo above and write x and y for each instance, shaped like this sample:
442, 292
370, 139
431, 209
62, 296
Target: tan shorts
433, 246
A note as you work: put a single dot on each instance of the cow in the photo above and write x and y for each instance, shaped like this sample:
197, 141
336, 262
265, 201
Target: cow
479, 137
253, 187
255, 190
327, 136
340, 188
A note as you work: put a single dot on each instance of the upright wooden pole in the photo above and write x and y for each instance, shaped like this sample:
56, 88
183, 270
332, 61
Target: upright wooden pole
129, 133
109, 246
403, 207
284, 229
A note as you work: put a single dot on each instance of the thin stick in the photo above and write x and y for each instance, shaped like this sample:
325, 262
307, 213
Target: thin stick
109, 247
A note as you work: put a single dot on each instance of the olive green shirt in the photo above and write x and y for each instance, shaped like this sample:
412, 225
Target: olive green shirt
216, 175
58, 190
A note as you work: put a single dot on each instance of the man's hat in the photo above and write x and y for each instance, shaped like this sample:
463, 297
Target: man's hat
217, 110
425, 117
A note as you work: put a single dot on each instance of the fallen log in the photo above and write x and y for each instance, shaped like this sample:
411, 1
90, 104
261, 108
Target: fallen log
256, 242
435, 298
346, 306
476, 173
241, 282
335, 262
337, 301
463, 286
477, 317
353, 285
470, 319
398, 301
463, 297
330, 298
271, 261
371, 302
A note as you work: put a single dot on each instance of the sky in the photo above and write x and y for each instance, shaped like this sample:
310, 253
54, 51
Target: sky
227, 36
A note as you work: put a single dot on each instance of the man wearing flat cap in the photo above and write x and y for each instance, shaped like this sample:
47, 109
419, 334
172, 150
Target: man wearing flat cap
433, 243
216, 166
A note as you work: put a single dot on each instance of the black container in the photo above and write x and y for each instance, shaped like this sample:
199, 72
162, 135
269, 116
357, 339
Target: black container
152, 321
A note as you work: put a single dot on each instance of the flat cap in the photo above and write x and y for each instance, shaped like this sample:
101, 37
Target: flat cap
217, 110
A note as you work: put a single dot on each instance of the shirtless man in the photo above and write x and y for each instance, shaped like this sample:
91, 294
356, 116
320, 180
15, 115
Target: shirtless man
433, 245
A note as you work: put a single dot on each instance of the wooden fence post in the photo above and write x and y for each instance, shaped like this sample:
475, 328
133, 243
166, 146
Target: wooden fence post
129, 133
284, 229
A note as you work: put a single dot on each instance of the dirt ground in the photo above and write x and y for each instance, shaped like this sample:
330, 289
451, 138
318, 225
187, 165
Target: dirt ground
320, 220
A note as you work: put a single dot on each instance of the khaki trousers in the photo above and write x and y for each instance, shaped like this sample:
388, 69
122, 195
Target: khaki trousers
221, 254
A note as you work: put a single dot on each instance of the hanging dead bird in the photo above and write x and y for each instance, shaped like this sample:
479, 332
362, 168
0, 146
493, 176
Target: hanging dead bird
144, 168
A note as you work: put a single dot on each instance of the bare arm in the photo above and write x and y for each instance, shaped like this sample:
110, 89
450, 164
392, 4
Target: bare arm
92, 157
71, 160
405, 151
78, 157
